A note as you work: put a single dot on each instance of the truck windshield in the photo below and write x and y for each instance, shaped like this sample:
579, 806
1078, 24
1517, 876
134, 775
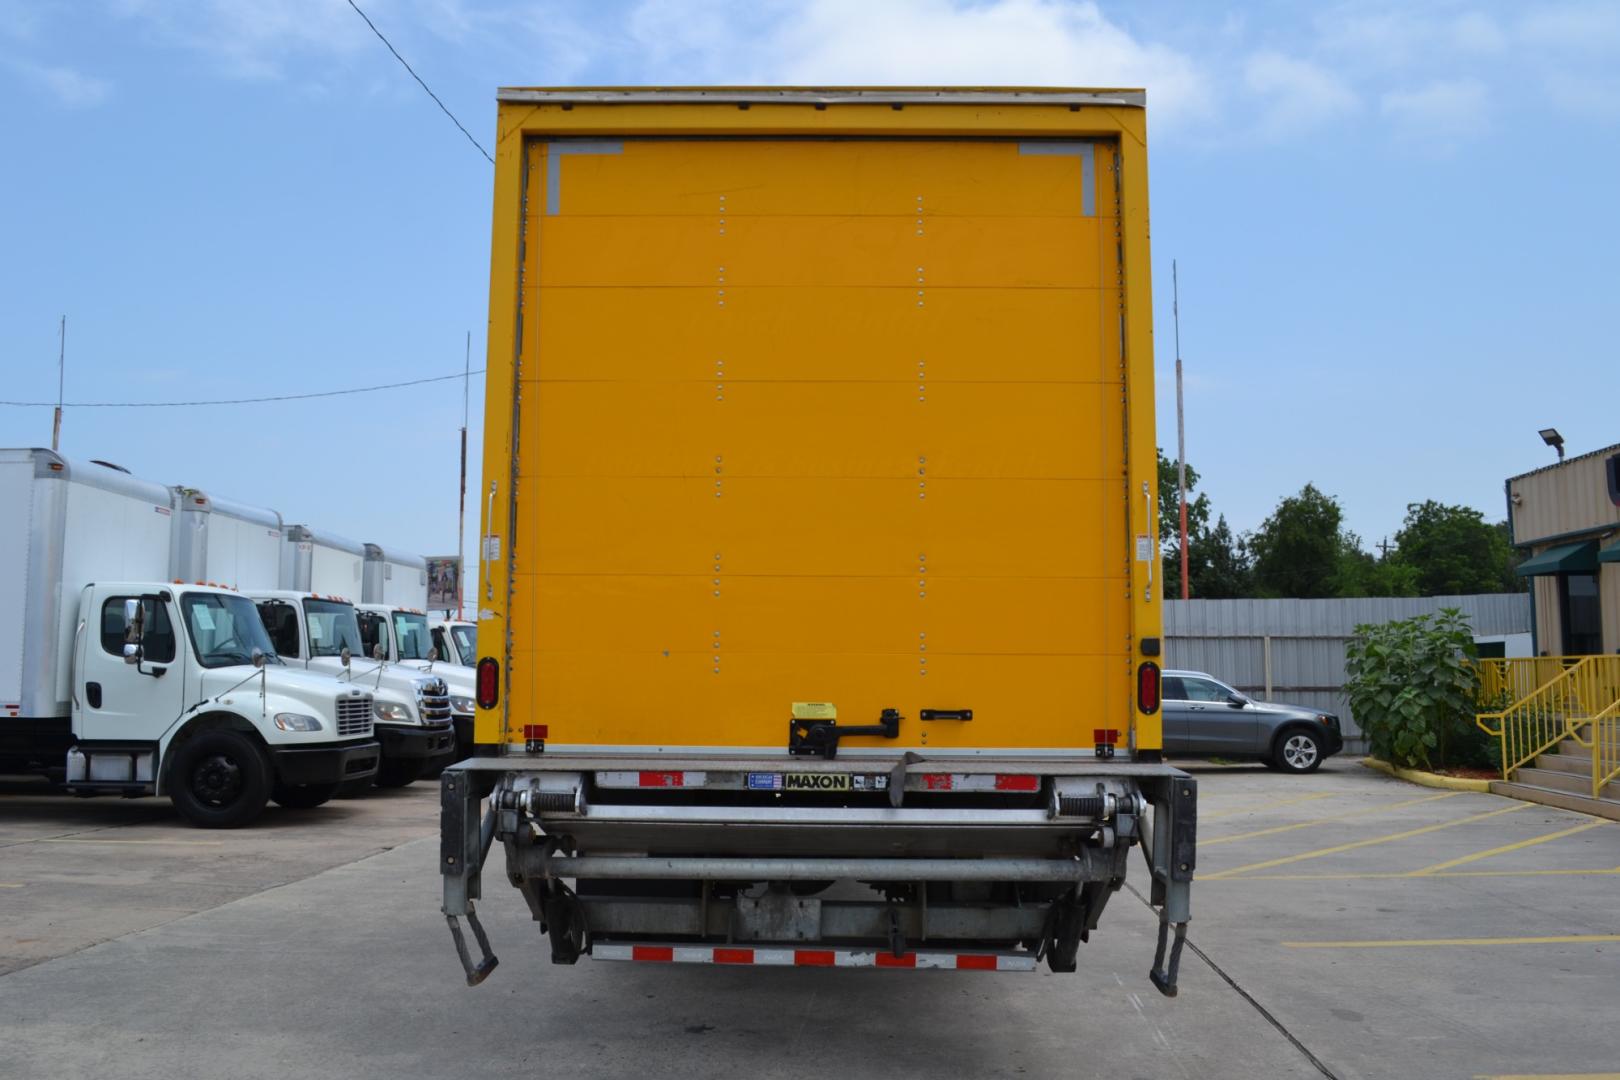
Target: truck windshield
466, 639
411, 633
332, 628
225, 630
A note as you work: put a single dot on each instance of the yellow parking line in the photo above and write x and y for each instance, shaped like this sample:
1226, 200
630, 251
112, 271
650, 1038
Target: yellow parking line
1334, 850
1392, 874
1272, 805
93, 840
1426, 943
1520, 845
8, 885
1326, 820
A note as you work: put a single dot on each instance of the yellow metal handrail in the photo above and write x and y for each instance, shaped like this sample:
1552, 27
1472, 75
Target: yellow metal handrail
1515, 678
1587, 693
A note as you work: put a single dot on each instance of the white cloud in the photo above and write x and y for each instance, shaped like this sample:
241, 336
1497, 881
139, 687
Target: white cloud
1446, 109
1000, 42
1295, 95
253, 39
1403, 37
68, 86
1573, 27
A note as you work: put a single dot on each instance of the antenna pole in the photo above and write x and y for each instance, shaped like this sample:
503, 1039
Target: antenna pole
61, 370
461, 518
1181, 427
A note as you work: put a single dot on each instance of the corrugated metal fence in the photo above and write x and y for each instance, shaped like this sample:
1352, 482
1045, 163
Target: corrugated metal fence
1296, 647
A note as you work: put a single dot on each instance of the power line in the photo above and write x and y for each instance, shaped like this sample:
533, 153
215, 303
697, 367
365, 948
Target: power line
239, 401
445, 109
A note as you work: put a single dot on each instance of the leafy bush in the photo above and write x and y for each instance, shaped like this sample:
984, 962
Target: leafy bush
1414, 689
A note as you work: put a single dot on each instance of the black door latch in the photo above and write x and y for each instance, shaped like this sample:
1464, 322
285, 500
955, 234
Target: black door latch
819, 738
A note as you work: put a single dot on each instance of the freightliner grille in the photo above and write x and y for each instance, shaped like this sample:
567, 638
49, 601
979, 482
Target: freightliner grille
433, 701
354, 716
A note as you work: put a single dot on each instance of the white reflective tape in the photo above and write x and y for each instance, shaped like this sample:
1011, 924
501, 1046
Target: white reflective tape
812, 956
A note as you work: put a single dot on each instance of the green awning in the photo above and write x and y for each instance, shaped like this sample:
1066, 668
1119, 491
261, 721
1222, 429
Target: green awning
1565, 559
1610, 553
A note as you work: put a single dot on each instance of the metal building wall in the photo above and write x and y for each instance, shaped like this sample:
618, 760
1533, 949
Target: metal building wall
1305, 641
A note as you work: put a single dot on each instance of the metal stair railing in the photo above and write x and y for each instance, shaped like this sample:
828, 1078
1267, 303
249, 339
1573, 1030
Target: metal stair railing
1585, 696
1514, 678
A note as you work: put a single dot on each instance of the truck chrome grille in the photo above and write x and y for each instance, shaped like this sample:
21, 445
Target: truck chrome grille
433, 701
354, 716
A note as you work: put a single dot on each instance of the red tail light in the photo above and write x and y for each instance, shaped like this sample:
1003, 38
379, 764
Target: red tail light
1147, 687
489, 682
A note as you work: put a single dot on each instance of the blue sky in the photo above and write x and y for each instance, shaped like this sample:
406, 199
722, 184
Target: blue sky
1396, 223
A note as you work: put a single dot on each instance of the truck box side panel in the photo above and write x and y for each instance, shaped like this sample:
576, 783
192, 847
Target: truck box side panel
16, 528
335, 572
810, 420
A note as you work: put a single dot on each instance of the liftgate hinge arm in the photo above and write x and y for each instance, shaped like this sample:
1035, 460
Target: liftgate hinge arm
1172, 860
464, 843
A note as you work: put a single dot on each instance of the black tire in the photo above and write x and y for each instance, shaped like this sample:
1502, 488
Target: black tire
397, 772
302, 796
1296, 750
219, 780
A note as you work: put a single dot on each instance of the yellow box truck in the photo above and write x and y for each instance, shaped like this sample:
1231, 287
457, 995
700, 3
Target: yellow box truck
818, 619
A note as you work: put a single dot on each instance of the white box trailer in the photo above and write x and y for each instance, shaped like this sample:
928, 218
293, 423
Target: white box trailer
226, 542
321, 562
126, 682
394, 578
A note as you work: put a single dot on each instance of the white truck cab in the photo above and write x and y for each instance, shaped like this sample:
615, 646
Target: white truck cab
176, 692
456, 640
400, 635
411, 707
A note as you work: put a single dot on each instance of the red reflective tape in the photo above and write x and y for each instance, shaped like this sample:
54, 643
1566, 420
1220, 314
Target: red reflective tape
814, 958
734, 956
662, 954
937, 781
1105, 736
1017, 782
663, 779
535, 731
976, 963
883, 959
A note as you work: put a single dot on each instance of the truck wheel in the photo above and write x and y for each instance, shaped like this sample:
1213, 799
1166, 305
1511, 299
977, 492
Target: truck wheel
1296, 751
397, 772
219, 780
302, 796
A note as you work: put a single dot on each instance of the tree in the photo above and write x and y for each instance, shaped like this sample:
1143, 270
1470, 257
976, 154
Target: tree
1452, 550
1170, 524
1299, 549
1220, 567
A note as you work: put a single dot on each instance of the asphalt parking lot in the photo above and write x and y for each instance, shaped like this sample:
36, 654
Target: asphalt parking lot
1346, 925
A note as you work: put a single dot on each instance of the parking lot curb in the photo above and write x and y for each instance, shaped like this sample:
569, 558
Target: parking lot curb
1427, 779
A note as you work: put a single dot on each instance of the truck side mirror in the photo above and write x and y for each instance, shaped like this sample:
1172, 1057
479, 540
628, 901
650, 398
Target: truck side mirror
344, 656
433, 653
258, 657
132, 653
134, 621
377, 653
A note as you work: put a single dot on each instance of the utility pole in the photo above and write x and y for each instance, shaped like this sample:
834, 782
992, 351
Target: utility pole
1181, 426
461, 517
61, 368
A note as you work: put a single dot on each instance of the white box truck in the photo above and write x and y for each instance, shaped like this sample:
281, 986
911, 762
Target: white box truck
123, 681
394, 578
321, 562
412, 708
224, 542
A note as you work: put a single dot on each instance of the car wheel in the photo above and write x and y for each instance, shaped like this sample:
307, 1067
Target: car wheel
302, 796
219, 780
1297, 751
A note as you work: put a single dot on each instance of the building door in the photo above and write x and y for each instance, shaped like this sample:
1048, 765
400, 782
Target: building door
1580, 614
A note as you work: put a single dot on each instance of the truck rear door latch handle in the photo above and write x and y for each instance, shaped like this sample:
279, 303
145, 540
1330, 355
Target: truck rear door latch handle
819, 738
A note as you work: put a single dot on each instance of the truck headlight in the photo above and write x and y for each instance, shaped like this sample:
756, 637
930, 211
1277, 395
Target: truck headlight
293, 721
464, 705
391, 712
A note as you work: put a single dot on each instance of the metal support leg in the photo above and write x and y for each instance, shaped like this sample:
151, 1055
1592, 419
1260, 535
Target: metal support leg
463, 845
1165, 979
1172, 861
476, 972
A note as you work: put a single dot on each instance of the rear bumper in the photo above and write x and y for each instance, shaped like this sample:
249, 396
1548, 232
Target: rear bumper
399, 741
330, 764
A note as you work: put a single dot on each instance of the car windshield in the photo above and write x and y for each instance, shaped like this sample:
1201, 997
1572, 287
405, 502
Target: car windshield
411, 635
225, 630
466, 638
332, 628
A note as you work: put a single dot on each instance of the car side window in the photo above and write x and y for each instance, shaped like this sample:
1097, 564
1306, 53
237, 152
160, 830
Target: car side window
157, 641
1173, 688
1204, 690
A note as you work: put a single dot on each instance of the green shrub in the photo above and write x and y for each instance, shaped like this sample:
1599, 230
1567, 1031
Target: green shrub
1414, 690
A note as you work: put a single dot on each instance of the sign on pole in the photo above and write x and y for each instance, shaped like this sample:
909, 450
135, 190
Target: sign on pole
444, 582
